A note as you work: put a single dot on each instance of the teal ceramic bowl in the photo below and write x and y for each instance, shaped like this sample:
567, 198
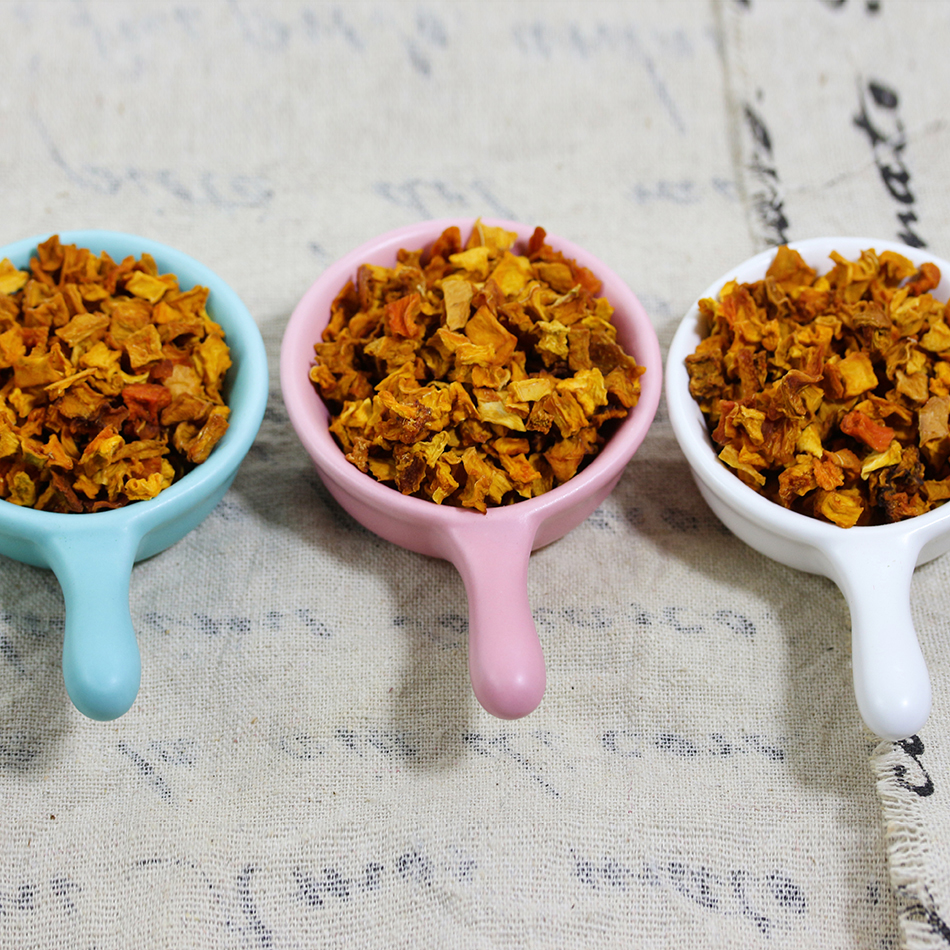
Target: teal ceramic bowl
92, 554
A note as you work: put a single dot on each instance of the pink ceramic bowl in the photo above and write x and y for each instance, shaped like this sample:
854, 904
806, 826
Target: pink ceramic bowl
491, 550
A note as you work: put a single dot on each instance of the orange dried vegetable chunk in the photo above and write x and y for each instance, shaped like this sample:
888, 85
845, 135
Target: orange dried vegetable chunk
110, 380
830, 394
474, 373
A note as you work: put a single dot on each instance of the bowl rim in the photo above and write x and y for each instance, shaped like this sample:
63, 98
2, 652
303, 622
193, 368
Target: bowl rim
308, 414
247, 380
689, 426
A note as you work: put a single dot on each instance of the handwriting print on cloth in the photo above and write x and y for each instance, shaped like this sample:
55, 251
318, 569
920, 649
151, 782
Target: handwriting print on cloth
768, 202
683, 621
770, 902
414, 866
151, 764
878, 117
913, 777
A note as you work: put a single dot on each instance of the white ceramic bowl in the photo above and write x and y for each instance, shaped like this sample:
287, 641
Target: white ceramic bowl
872, 565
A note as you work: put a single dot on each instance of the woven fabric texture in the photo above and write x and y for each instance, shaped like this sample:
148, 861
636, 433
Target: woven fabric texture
305, 765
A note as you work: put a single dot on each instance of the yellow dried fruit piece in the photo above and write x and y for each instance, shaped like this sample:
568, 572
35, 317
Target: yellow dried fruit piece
11, 279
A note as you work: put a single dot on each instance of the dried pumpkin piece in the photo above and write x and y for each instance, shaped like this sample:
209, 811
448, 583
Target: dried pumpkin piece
839, 507
208, 435
457, 295
830, 394
101, 365
473, 374
144, 285
11, 279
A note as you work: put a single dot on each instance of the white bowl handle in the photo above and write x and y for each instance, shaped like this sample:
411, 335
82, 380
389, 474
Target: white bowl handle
891, 683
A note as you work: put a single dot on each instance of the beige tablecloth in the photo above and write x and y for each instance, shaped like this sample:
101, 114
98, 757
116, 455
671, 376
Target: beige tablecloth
305, 765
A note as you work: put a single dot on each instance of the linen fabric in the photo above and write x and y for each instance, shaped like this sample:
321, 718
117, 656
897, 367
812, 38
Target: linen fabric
305, 765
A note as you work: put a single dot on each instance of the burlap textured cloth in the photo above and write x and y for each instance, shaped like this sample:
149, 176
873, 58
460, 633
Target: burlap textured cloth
305, 765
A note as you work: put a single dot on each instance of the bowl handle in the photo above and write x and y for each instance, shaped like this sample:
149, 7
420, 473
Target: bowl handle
505, 660
891, 683
102, 667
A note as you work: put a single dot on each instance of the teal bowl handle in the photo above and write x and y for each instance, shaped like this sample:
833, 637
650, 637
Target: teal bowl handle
102, 667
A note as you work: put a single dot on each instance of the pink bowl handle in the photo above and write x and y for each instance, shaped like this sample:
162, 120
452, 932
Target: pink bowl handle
505, 660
